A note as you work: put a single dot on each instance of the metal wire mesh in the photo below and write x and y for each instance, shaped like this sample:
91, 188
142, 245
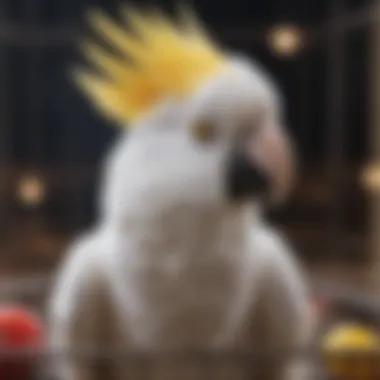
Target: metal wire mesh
192, 365
205, 364
200, 364
54, 109
37, 43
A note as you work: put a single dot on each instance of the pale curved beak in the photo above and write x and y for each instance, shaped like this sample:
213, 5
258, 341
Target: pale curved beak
262, 166
272, 152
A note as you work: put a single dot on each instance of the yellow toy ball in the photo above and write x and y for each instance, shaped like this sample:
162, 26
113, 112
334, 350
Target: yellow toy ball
350, 351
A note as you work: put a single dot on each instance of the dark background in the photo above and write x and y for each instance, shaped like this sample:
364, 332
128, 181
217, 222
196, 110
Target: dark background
47, 128
38, 89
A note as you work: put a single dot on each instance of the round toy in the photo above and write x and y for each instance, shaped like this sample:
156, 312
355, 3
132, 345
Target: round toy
350, 351
21, 336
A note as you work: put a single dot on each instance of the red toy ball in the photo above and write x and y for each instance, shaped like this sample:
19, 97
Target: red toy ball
21, 337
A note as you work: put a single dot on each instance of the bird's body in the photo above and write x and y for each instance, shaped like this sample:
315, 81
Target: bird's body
181, 259
202, 299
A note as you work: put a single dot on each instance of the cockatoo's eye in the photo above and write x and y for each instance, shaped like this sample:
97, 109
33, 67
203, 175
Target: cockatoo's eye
204, 131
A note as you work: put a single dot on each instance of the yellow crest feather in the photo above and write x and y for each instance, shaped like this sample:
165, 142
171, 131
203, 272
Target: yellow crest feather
161, 60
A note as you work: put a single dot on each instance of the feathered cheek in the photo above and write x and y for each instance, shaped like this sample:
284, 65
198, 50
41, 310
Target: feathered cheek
272, 151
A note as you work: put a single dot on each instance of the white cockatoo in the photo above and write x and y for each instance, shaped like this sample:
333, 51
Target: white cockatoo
181, 259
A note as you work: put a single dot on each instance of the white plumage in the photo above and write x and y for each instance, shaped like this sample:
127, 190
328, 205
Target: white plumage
173, 263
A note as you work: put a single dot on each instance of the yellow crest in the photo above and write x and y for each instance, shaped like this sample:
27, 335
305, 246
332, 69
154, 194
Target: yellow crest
158, 60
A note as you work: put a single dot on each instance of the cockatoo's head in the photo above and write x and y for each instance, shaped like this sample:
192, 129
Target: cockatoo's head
205, 127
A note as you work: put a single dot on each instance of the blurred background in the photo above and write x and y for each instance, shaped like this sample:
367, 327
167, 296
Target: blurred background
325, 55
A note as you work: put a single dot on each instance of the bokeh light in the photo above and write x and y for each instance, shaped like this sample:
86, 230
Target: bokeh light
285, 40
31, 191
371, 178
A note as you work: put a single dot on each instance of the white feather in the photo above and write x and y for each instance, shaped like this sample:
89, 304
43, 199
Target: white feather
178, 265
